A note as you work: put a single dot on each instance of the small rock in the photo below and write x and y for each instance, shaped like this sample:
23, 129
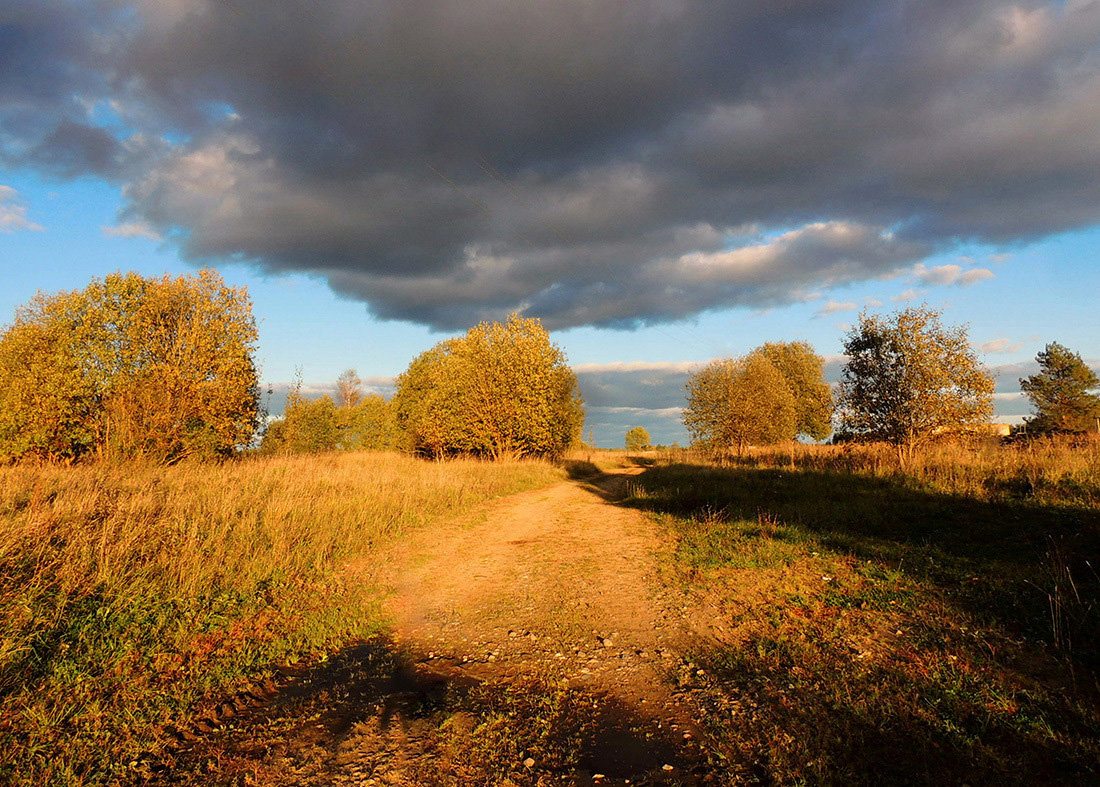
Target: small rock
529, 763
606, 642
666, 767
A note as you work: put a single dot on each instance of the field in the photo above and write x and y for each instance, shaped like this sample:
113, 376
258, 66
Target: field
133, 596
868, 625
801, 615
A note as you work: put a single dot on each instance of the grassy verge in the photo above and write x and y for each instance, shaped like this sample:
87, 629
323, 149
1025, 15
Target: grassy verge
870, 626
129, 595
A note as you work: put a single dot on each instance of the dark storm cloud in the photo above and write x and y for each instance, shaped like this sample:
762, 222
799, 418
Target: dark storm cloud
590, 163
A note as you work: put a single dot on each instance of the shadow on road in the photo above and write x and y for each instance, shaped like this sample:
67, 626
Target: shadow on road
378, 708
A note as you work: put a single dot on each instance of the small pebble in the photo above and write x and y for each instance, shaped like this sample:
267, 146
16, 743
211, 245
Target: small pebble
529, 763
666, 767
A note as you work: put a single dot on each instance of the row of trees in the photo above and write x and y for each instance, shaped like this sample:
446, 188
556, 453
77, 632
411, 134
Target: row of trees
908, 379
163, 368
502, 390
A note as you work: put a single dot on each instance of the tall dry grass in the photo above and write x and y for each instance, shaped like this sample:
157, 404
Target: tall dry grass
935, 624
130, 592
1055, 470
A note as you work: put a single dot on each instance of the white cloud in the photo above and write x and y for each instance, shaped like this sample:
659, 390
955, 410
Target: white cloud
975, 276
910, 294
950, 275
13, 214
832, 307
132, 229
1000, 346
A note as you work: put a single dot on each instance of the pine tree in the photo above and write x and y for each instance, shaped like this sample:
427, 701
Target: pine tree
1060, 392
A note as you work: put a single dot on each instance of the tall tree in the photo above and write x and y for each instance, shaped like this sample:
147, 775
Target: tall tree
1061, 392
804, 371
740, 402
908, 378
637, 439
153, 367
501, 390
349, 388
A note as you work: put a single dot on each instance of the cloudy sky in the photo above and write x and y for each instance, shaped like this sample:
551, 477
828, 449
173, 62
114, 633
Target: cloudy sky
661, 182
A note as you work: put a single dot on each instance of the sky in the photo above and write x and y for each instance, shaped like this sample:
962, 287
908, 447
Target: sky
661, 183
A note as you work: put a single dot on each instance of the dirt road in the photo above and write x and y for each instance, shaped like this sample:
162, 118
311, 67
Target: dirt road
530, 644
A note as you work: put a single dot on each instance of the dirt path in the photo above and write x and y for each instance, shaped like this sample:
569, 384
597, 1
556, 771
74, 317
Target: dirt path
552, 581
538, 613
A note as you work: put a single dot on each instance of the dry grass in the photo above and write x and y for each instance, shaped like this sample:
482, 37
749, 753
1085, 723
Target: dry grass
934, 625
129, 593
1052, 470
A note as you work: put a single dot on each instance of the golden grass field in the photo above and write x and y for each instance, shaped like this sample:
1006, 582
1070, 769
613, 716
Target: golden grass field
129, 593
132, 596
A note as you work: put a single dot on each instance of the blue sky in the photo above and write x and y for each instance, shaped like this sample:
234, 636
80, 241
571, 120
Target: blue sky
661, 188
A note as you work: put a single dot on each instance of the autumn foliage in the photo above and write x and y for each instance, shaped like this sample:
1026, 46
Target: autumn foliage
501, 390
772, 394
910, 378
130, 366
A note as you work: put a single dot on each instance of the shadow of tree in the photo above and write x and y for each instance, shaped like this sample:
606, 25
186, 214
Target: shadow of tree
432, 721
994, 558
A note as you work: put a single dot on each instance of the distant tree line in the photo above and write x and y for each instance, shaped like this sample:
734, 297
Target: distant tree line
354, 421
908, 380
163, 369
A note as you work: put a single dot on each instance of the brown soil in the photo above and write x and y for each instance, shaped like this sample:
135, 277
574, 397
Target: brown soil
538, 616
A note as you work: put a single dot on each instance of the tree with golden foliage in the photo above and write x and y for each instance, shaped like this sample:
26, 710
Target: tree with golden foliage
502, 390
909, 378
804, 371
131, 366
308, 427
349, 388
739, 402
637, 439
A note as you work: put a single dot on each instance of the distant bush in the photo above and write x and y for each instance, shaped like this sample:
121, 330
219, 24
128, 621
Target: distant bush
637, 439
